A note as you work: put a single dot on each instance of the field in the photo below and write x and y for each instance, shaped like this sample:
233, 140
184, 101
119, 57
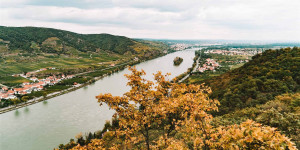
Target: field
12, 81
20, 63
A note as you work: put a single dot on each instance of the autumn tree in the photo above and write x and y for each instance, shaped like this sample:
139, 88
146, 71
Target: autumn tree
25, 99
44, 95
159, 107
15, 101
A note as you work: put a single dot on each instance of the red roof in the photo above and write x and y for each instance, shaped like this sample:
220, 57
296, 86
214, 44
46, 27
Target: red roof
18, 89
27, 86
10, 92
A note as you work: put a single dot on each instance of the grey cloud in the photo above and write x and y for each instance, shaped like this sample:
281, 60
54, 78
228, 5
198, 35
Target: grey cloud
161, 18
73, 3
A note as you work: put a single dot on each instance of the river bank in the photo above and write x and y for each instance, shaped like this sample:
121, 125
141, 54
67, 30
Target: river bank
117, 68
190, 70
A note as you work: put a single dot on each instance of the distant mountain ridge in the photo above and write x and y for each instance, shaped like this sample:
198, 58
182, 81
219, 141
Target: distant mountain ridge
55, 40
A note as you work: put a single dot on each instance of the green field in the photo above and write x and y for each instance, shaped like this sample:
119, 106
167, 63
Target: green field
12, 81
16, 64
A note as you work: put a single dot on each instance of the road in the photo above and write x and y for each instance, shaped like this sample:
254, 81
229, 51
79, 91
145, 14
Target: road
194, 69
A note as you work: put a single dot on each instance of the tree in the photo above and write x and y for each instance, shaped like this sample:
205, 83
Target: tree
160, 106
44, 95
15, 101
25, 99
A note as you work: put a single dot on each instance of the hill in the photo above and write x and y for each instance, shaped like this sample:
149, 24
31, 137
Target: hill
57, 41
267, 75
25, 49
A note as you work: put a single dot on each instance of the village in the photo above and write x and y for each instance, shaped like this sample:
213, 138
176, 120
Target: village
236, 51
35, 85
179, 46
210, 64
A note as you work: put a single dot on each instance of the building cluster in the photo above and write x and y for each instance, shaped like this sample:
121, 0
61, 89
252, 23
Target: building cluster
236, 51
210, 64
179, 46
28, 87
237, 61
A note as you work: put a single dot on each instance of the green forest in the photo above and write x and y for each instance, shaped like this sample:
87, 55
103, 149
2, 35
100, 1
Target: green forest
29, 38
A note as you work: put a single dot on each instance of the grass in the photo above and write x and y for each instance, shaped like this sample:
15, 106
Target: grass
236, 66
12, 81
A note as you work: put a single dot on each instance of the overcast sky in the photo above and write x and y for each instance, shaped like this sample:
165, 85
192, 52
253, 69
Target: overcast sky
172, 19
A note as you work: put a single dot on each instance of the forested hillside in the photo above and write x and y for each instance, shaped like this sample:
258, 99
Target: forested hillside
267, 75
56, 41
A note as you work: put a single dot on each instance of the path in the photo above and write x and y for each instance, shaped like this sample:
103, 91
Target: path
194, 69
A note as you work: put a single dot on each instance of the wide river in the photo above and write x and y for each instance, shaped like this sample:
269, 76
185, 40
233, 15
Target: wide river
45, 125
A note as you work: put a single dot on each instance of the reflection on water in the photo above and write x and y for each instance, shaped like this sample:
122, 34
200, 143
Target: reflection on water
26, 110
45, 102
17, 113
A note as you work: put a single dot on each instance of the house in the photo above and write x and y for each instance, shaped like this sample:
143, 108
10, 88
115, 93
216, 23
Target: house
51, 78
201, 69
47, 81
4, 88
27, 90
28, 74
15, 75
40, 88
10, 97
34, 79
18, 90
112, 65
29, 86
25, 83
70, 76
23, 93
2, 96
136, 59
10, 92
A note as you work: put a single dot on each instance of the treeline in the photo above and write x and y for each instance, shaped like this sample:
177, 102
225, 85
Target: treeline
26, 38
267, 75
88, 137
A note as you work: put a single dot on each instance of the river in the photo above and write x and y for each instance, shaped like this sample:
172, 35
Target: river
45, 125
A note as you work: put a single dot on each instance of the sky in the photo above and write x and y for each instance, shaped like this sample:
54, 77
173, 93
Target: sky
277, 20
